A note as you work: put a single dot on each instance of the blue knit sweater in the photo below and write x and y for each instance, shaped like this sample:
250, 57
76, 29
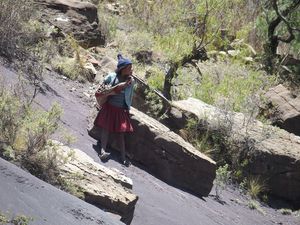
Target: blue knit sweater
124, 98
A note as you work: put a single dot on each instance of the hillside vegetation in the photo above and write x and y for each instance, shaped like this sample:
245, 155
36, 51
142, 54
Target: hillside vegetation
225, 53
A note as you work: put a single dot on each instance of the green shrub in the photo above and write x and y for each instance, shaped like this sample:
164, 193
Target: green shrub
21, 220
69, 184
232, 87
15, 35
12, 114
24, 134
176, 44
134, 41
255, 205
3, 218
254, 186
71, 68
215, 143
67, 67
154, 103
177, 24
107, 23
285, 211
32, 138
16, 220
199, 138
155, 78
222, 179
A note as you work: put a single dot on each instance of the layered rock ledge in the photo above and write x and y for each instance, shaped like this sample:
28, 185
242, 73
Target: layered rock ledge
168, 156
272, 153
106, 188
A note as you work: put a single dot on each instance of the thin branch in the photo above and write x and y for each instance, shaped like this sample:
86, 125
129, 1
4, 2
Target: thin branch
197, 67
278, 19
204, 24
286, 12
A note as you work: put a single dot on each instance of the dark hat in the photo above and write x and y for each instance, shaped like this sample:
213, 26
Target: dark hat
122, 62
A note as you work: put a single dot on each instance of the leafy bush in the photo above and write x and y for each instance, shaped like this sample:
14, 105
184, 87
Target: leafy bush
222, 179
178, 24
24, 134
67, 67
71, 61
285, 211
107, 22
16, 220
3, 218
21, 220
135, 41
32, 139
200, 138
177, 44
12, 114
255, 205
155, 78
15, 35
232, 87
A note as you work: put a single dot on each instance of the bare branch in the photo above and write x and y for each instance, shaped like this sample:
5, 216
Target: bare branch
204, 24
197, 67
273, 24
286, 12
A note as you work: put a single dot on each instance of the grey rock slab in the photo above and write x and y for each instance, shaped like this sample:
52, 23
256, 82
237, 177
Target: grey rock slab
23, 194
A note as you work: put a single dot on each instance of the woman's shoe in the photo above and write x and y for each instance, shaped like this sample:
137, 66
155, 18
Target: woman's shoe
125, 162
104, 155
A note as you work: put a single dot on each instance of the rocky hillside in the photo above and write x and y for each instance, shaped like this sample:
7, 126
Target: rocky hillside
215, 116
158, 202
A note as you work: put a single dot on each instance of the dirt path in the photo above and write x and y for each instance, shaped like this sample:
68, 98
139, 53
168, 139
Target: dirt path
159, 203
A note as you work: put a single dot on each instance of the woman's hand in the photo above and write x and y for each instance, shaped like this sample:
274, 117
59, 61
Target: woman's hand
119, 87
129, 80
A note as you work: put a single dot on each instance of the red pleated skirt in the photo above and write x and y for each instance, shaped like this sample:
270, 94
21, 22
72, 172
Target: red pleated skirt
113, 119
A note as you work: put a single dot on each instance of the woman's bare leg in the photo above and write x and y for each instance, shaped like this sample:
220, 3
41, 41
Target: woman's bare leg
104, 140
121, 141
122, 146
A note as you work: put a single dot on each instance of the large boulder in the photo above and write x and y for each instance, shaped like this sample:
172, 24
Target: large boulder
272, 153
106, 188
169, 156
77, 18
284, 109
166, 155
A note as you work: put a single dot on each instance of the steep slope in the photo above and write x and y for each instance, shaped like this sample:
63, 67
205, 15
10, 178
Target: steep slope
24, 194
159, 203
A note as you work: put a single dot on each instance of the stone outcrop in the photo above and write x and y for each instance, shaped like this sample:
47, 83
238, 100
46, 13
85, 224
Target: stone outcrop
167, 156
272, 153
106, 188
284, 109
77, 18
170, 157
25, 196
